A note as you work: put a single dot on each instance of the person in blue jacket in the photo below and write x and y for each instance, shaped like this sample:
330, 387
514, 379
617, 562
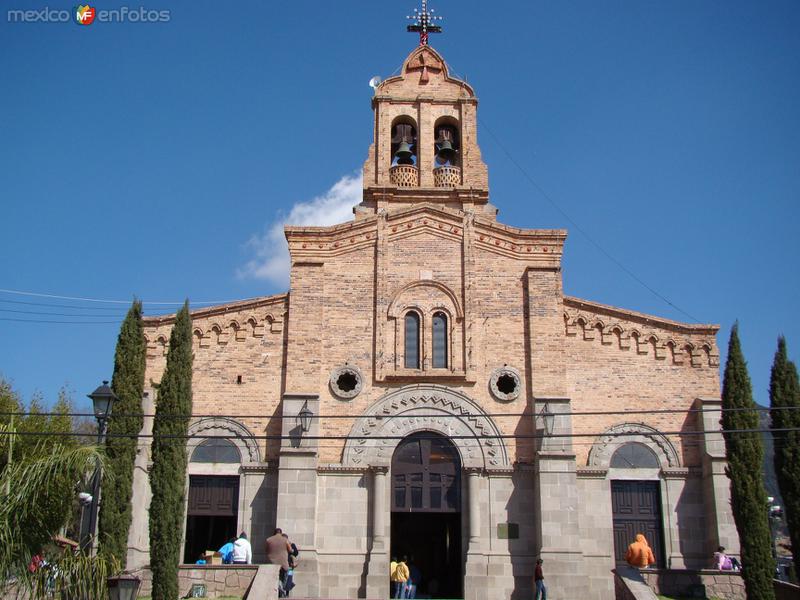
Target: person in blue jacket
227, 552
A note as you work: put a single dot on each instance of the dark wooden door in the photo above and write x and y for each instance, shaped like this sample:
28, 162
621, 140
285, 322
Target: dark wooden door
426, 475
636, 508
213, 496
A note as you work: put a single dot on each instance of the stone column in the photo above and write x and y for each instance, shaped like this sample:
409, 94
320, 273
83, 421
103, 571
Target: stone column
559, 535
378, 566
720, 526
473, 476
476, 576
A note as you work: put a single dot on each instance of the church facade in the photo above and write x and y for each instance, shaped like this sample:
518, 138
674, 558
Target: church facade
426, 389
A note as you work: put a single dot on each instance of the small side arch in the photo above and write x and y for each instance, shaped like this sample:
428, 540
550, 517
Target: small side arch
604, 447
229, 429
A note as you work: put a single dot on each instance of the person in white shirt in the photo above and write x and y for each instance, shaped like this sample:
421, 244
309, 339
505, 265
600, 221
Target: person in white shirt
242, 551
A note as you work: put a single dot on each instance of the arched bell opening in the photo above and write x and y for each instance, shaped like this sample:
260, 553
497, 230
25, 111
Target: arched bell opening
447, 153
426, 513
403, 171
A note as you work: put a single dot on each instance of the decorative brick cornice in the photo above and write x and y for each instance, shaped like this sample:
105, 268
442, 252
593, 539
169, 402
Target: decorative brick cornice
221, 324
679, 343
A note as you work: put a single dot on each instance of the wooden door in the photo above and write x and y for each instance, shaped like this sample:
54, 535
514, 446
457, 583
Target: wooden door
213, 496
636, 508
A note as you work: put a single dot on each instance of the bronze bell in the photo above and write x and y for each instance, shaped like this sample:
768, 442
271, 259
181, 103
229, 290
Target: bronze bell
404, 154
446, 151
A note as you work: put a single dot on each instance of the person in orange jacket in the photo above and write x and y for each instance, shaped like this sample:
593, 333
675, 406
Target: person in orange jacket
639, 554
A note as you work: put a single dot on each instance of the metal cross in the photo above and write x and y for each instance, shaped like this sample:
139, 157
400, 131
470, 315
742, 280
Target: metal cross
424, 23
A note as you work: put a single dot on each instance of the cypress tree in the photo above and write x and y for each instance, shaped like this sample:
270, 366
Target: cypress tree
168, 475
745, 455
784, 393
126, 420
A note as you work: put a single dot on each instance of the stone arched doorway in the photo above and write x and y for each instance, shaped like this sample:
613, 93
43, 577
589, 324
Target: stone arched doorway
426, 513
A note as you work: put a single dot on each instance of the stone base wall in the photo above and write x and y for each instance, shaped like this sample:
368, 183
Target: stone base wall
220, 580
727, 585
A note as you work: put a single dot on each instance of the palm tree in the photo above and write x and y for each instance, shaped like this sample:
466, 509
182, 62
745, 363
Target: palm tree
37, 495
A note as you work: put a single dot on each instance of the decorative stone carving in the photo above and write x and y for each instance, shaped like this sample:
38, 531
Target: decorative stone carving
505, 383
229, 429
346, 382
434, 408
606, 444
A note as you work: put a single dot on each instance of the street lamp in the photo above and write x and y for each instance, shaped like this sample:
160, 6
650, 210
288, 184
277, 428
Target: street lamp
123, 587
103, 399
304, 418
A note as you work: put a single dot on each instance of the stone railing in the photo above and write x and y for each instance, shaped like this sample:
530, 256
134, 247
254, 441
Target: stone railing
786, 591
447, 176
688, 582
404, 175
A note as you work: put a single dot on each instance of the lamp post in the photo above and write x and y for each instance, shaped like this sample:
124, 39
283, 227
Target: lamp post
774, 514
103, 399
123, 587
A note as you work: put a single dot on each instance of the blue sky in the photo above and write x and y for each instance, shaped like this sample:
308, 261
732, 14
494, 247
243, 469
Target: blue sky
159, 159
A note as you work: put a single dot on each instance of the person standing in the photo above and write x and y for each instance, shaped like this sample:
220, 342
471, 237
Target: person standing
393, 577
242, 551
401, 575
639, 554
278, 549
538, 581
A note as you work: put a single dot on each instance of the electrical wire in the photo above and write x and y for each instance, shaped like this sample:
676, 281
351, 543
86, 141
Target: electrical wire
651, 411
100, 300
585, 234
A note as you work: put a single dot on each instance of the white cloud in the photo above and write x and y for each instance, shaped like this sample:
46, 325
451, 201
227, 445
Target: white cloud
270, 253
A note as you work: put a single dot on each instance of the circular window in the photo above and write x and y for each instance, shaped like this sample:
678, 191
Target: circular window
346, 382
505, 384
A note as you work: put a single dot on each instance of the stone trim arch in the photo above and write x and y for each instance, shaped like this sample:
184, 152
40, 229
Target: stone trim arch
231, 430
433, 408
395, 307
605, 446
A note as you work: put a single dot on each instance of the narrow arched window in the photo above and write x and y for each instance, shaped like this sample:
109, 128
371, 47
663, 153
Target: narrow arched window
412, 341
439, 341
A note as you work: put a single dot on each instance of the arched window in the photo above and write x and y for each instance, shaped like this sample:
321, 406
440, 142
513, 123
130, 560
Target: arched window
634, 456
412, 340
439, 340
216, 450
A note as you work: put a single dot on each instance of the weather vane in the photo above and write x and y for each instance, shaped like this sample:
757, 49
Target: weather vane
424, 23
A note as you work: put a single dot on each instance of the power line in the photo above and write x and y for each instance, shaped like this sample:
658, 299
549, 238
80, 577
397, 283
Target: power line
100, 300
650, 411
54, 314
60, 322
500, 436
579, 228
72, 306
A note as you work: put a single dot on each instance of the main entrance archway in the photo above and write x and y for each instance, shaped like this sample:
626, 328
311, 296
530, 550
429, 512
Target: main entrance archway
426, 513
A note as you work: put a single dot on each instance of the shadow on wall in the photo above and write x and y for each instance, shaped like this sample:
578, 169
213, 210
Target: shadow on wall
523, 548
690, 507
263, 511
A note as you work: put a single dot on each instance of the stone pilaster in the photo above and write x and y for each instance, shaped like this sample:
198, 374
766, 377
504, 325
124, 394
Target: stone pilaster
720, 526
297, 487
378, 566
559, 534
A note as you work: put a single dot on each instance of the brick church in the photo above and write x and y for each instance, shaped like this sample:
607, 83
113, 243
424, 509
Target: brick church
425, 388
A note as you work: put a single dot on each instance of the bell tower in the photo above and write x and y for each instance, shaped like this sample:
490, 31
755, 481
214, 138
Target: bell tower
425, 146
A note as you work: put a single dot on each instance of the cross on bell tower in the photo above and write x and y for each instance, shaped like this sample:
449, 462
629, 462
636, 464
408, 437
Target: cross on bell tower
424, 23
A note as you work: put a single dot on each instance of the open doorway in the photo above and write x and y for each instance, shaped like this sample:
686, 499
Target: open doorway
211, 514
426, 514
